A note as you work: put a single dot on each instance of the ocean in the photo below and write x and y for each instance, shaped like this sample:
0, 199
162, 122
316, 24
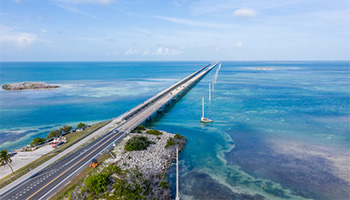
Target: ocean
280, 125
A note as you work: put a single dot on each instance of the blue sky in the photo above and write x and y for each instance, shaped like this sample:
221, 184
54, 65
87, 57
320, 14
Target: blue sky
142, 30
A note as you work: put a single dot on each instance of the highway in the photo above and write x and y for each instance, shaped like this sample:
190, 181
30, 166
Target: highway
49, 180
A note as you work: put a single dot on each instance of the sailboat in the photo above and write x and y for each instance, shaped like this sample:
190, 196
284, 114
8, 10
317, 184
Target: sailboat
203, 119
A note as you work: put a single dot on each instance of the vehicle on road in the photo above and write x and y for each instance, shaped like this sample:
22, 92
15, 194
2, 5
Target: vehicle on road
94, 163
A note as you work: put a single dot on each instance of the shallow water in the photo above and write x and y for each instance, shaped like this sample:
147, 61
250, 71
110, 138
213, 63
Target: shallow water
286, 129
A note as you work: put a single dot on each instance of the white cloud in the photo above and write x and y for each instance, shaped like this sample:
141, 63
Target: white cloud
167, 51
76, 10
8, 35
245, 12
239, 44
43, 30
26, 39
131, 52
162, 51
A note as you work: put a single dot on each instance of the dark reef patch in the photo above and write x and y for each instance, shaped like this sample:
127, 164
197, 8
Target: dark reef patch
8, 136
309, 177
201, 186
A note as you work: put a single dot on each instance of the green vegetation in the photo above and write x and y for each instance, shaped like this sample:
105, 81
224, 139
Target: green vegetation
175, 140
81, 125
71, 140
128, 184
112, 169
67, 191
164, 184
137, 143
66, 128
5, 158
139, 129
133, 186
37, 141
178, 136
54, 133
169, 142
97, 183
154, 132
5, 87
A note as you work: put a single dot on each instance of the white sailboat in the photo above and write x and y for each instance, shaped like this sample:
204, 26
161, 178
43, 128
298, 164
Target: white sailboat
203, 119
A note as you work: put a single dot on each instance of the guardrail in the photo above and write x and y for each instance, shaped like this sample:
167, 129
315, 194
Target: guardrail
150, 101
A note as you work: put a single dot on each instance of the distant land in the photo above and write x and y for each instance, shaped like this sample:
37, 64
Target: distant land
28, 85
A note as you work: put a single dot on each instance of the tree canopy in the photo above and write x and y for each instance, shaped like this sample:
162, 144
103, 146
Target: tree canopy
66, 128
5, 158
37, 141
54, 133
81, 125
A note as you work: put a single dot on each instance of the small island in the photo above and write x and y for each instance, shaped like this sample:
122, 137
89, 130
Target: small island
28, 85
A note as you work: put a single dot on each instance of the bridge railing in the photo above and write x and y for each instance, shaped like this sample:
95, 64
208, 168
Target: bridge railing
150, 101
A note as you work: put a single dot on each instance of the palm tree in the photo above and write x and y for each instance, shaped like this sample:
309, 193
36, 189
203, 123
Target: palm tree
5, 157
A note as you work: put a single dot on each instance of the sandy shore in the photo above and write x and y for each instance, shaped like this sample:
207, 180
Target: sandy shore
23, 158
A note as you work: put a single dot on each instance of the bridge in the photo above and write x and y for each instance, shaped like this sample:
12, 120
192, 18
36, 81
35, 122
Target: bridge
48, 178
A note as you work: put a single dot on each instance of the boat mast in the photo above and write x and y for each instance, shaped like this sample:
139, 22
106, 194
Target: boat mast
202, 107
209, 91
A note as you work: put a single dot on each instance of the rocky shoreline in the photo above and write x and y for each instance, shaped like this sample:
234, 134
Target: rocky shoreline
28, 85
155, 160
142, 174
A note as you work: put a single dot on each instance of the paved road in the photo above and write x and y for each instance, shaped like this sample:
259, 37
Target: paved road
52, 178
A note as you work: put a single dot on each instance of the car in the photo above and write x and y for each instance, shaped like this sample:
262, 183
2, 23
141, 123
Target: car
116, 131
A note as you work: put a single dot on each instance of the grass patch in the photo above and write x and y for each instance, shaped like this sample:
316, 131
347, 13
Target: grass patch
71, 140
154, 132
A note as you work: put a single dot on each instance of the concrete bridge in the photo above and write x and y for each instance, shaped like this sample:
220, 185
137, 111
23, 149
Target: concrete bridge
48, 178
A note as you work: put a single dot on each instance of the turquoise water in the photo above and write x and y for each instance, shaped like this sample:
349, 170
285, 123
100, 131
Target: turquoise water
286, 129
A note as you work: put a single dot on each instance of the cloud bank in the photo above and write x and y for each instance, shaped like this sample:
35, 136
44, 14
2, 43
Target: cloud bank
245, 13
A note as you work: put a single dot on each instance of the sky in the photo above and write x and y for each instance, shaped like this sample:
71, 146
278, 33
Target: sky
174, 30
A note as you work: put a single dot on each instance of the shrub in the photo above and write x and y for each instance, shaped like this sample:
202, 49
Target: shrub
178, 136
169, 142
66, 128
132, 186
164, 184
97, 183
81, 125
54, 133
5, 87
137, 143
112, 169
37, 141
154, 132
82, 190
138, 129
